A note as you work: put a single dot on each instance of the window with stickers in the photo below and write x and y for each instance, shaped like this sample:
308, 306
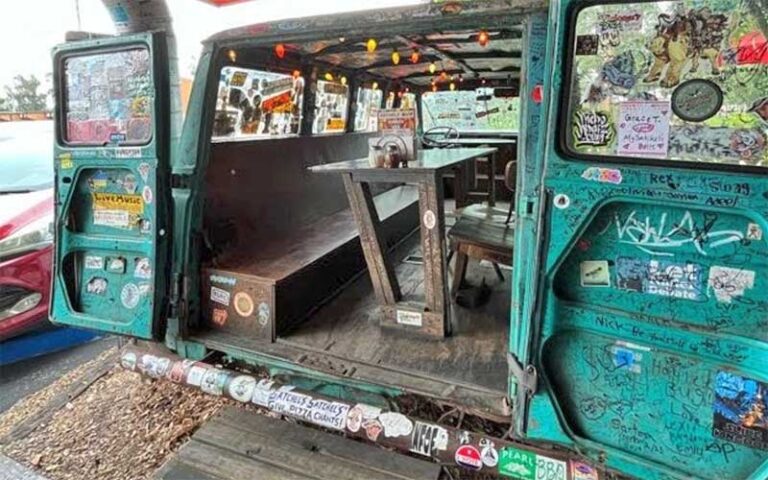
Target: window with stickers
670, 81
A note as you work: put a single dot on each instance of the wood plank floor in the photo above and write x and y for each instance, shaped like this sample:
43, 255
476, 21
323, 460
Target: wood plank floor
476, 353
238, 444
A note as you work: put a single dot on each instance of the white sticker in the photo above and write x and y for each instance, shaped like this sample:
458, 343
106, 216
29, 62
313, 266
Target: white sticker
128, 360
405, 317
488, 453
319, 411
428, 439
147, 194
143, 269
128, 152
261, 393
111, 218
212, 382
550, 468
130, 295
359, 414
221, 279
144, 171
595, 273
643, 129
220, 296
754, 232
241, 388
129, 183
116, 265
429, 219
195, 375
562, 201
93, 262
727, 283
395, 424
263, 314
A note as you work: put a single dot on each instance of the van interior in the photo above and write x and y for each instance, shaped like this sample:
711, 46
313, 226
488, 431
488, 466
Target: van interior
283, 269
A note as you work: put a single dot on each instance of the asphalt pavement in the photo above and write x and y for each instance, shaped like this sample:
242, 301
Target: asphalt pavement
24, 378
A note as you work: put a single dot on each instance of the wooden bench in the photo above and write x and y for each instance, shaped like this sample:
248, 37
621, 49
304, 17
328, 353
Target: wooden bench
284, 241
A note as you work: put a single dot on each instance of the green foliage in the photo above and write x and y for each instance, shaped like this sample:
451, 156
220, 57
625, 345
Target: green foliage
23, 95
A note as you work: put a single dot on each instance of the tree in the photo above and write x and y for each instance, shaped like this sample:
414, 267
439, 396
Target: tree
4, 105
23, 96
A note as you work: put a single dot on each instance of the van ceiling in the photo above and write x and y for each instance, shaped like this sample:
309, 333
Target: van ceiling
456, 52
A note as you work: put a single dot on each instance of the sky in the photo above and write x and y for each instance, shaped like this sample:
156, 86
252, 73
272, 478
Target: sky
32, 27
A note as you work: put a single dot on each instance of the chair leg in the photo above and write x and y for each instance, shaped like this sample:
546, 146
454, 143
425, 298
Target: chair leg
498, 272
450, 257
509, 213
459, 272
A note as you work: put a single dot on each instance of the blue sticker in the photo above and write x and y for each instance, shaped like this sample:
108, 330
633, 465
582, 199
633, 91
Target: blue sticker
660, 277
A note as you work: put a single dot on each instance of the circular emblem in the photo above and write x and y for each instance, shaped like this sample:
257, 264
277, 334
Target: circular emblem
429, 219
129, 296
241, 388
243, 304
263, 314
468, 456
697, 100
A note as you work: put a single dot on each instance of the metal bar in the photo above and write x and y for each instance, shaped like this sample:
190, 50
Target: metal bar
474, 451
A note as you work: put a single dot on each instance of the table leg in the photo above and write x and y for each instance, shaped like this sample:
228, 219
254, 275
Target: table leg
492, 179
460, 185
433, 250
376, 256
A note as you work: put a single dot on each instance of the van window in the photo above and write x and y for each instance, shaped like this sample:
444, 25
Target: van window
669, 81
331, 102
108, 98
366, 107
482, 109
257, 104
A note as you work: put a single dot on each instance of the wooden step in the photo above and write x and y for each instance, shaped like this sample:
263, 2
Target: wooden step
237, 444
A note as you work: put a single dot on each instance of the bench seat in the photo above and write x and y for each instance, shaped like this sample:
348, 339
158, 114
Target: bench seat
265, 288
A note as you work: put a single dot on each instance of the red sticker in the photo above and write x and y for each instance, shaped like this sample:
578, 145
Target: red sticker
469, 457
537, 94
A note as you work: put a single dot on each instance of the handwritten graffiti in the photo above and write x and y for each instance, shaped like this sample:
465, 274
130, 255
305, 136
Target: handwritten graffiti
662, 236
729, 283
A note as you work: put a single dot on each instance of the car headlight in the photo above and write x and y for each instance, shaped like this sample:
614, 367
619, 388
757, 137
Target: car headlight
33, 236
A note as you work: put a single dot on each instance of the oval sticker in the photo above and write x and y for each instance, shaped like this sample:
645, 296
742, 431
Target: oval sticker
243, 304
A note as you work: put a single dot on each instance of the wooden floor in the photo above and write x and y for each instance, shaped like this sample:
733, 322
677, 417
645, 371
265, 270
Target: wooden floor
348, 326
237, 444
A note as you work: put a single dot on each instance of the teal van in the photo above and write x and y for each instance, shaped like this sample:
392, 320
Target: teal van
600, 204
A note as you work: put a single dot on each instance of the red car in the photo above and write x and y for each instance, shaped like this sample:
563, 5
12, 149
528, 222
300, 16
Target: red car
26, 225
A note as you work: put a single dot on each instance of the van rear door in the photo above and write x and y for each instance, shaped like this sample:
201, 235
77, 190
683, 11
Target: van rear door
649, 338
111, 164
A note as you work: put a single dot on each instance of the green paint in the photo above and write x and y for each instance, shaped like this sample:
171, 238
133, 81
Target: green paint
517, 464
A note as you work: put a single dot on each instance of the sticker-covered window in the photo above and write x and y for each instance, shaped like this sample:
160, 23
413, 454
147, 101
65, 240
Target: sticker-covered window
108, 98
482, 109
678, 81
257, 104
366, 108
331, 101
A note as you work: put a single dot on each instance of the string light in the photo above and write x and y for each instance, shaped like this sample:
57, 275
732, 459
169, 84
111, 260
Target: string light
375, 85
296, 73
434, 87
452, 86
342, 39
443, 76
483, 38
371, 45
329, 76
280, 51
395, 57
232, 56
432, 68
415, 56
343, 80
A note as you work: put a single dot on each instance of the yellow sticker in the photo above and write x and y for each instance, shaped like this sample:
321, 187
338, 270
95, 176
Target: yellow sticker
118, 201
65, 160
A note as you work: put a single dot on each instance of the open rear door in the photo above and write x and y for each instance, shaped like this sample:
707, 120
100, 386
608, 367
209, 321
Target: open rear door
111, 162
648, 342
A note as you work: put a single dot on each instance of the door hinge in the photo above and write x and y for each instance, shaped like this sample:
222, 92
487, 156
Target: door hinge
527, 380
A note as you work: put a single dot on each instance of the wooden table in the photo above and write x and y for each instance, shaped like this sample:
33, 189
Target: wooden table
426, 171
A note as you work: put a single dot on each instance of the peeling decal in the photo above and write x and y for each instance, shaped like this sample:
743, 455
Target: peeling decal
130, 295
94, 262
97, 286
728, 283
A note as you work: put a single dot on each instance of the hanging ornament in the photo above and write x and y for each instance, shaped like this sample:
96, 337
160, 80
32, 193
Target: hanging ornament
415, 56
483, 38
432, 68
371, 45
232, 56
395, 57
280, 51
482, 81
